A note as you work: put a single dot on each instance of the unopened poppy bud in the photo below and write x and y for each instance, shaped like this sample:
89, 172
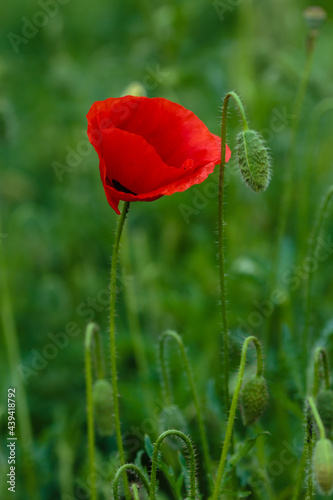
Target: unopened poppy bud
253, 160
135, 89
172, 418
323, 466
103, 410
314, 17
325, 409
253, 399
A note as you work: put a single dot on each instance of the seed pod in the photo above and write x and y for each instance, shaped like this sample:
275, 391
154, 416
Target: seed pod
314, 17
323, 466
103, 409
253, 399
172, 418
325, 409
253, 160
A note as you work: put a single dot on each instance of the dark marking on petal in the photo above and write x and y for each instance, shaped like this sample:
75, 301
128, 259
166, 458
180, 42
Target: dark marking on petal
119, 187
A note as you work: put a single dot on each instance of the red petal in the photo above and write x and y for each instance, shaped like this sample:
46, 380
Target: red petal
175, 132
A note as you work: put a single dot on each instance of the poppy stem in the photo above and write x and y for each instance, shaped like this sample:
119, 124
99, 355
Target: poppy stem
91, 331
167, 390
223, 292
231, 419
155, 461
313, 257
135, 470
113, 291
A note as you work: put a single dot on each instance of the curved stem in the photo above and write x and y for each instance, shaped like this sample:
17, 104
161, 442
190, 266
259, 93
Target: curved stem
308, 279
122, 470
316, 415
203, 437
221, 239
92, 330
187, 441
228, 435
113, 341
320, 354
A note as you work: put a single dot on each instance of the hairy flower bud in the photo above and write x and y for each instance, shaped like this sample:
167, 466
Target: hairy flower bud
253, 399
325, 409
172, 418
103, 409
253, 160
323, 466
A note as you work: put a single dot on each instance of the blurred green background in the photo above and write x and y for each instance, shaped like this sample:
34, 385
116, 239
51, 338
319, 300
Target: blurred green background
57, 228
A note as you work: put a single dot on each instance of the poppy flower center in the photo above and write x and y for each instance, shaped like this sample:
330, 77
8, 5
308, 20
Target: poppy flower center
119, 187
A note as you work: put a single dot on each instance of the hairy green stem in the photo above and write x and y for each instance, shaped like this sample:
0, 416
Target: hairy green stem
228, 435
316, 415
155, 459
223, 293
135, 492
92, 331
14, 360
113, 357
122, 471
179, 340
320, 355
311, 257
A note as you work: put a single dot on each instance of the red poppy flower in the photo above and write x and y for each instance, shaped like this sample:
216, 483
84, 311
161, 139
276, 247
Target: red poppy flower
148, 148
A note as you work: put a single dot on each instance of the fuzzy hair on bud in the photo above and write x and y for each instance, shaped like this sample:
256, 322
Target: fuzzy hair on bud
323, 466
253, 399
103, 408
172, 418
325, 409
253, 160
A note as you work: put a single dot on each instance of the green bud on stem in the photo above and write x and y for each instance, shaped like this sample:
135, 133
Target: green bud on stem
103, 408
253, 160
253, 399
323, 466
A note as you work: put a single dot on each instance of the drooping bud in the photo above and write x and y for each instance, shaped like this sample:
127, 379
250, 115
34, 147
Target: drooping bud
323, 466
253, 160
172, 418
253, 399
103, 409
314, 17
325, 409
